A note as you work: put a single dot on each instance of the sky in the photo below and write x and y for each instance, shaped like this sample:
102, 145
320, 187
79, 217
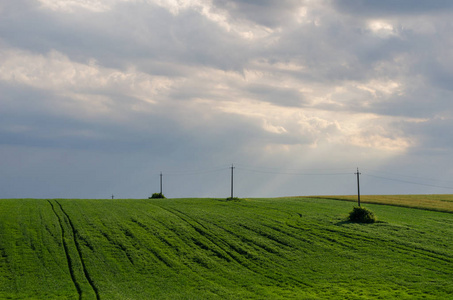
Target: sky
98, 97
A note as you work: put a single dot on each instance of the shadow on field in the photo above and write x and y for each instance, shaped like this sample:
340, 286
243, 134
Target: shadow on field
344, 222
341, 223
229, 199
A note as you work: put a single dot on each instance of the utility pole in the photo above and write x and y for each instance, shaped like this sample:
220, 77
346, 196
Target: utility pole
161, 183
232, 168
358, 186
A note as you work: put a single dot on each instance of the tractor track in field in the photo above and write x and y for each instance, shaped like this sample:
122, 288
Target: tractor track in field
66, 251
336, 236
213, 239
117, 244
69, 258
79, 252
403, 247
234, 251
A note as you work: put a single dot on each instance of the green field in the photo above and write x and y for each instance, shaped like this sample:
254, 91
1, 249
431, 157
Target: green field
284, 248
429, 202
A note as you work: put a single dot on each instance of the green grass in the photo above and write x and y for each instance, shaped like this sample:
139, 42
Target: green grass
429, 202
286, 248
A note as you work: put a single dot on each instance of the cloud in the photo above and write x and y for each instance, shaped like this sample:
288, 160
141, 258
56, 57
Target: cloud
70, 6
388, 7
195, 84
265, 13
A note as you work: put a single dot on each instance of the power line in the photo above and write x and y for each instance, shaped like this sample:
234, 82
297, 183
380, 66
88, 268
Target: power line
291, 173
408, 176
304, 172
299, 170
410, 182
197, 172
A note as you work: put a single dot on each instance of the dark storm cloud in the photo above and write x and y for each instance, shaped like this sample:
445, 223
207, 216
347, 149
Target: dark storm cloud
115, 39
390, 7
267, 13
337, 49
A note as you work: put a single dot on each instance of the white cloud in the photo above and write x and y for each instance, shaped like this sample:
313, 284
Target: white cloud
272, 128
386, 87
245, 30
90, 86
381, 28
71, 6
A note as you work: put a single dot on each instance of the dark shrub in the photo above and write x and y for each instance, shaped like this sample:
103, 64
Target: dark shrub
233, 199
362, 215
157, 195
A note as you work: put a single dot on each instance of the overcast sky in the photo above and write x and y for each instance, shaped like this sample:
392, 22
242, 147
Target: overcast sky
97, 97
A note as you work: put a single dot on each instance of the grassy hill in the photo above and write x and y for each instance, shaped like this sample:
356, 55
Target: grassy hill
285, 248
429, 202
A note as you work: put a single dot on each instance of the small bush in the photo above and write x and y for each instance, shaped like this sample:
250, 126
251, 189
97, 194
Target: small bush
157, 195
362, 215
233, 199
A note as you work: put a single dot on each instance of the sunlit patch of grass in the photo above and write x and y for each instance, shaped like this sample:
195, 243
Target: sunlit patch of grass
430, 202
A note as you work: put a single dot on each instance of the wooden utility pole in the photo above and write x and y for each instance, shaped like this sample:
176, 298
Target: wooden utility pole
358, 186
161, 183
232, 168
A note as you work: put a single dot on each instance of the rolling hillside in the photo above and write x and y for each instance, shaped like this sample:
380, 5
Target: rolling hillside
286, 248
